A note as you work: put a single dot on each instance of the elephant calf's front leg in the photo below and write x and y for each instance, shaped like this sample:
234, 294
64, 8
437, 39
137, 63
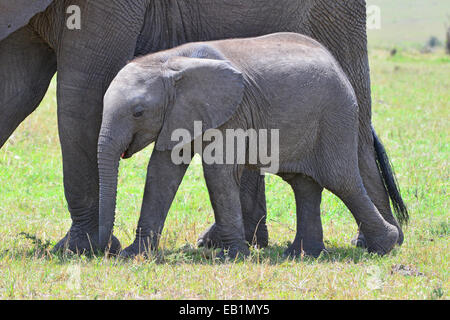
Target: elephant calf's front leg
223, 186
163, 179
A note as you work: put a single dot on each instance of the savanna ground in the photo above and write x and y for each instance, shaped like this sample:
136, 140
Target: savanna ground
411, 100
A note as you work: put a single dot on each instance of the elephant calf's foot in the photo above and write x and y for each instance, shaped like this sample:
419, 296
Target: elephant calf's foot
257, 236
296, 249
383, 244
211, 239
79, 241
142, 246
360, 241
234, 252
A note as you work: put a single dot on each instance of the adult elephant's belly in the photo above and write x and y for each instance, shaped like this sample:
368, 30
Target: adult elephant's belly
172, 23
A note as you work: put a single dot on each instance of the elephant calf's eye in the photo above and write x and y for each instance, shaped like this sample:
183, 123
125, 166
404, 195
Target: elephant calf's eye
138, 112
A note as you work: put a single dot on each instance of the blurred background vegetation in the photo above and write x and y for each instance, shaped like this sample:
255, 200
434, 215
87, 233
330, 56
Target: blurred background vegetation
410, 24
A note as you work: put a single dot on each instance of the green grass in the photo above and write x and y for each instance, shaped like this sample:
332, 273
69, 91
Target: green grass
411, 95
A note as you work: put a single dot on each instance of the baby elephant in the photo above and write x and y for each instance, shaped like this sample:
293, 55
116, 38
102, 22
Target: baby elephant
285, 83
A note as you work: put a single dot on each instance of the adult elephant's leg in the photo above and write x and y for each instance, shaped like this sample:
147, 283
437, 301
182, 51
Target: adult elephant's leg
341, 27
373, 182
88, 60
254, 212
27, 65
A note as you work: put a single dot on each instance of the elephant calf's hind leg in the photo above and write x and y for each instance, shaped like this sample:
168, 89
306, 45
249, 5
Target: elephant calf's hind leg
309, 237
380, 235
254, 212
223, 190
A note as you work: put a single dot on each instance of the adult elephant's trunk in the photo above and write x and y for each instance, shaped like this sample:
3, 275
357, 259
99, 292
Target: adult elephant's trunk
108, 164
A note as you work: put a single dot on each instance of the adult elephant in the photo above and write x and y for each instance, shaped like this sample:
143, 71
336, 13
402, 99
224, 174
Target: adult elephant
36, 42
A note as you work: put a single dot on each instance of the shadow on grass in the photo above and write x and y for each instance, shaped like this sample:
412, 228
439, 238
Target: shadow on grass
39, 244
42, 250
39, 249
188, 254
272, 255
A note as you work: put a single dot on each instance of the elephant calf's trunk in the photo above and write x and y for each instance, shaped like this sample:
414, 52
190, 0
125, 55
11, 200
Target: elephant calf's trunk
108, 164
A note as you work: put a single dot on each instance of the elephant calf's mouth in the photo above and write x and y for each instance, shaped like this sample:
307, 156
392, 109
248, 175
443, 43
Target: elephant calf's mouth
129, 151
138, 142
126, 155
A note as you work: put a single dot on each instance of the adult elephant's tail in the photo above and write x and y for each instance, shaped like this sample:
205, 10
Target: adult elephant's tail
390, 181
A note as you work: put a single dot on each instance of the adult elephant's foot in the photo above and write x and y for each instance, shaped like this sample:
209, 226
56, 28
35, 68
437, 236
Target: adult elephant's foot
359, 241
297, 249
80, 241
256, 236
401, 236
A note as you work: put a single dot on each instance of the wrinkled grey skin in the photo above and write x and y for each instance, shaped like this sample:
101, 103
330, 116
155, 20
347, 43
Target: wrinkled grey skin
282, 81
112, 33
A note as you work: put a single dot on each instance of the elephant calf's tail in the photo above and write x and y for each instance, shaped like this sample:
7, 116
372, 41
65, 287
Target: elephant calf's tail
390, 181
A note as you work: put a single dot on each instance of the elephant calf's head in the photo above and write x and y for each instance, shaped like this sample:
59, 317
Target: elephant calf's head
149, 101
133, 110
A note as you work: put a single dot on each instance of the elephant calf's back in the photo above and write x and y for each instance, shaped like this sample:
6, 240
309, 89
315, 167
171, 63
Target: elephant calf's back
294, 73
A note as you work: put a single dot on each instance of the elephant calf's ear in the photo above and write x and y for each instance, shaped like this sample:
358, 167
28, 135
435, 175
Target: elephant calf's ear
207, 90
